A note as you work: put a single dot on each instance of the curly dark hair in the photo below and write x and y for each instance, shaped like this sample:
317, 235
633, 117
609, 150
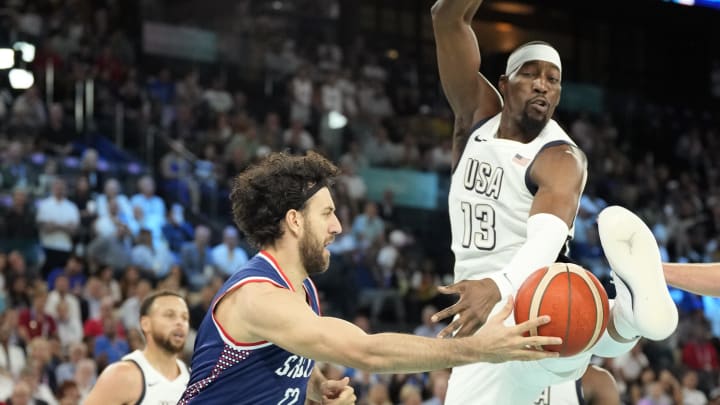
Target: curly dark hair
265, 192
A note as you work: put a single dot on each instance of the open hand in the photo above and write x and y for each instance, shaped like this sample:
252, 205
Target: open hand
505, 343
337, 392
477, 299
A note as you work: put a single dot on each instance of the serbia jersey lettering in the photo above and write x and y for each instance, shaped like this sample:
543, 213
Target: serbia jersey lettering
228, 372
491, 195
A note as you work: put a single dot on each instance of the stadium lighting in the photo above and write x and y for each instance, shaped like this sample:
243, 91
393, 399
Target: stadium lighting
27, 49
336, 120
21, 79
7, 58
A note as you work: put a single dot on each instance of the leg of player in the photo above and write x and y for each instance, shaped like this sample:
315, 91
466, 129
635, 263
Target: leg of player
643, 306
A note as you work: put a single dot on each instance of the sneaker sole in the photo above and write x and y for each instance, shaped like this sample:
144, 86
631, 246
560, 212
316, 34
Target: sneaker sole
633, 254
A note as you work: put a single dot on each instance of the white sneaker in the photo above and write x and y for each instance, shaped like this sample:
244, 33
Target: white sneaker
633, 254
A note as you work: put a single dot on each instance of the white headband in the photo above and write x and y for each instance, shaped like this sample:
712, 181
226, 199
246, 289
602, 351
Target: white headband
531, 52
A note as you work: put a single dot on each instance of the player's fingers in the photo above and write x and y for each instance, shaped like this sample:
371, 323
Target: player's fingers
469, 327
449, 311
336, 385
454, 288
531, 324
537, 341
529, 354
450, 329
504, 312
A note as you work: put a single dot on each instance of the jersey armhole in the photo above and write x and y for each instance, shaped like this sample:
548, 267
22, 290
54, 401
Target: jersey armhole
472, 129
221, 330
142, 376
529, 183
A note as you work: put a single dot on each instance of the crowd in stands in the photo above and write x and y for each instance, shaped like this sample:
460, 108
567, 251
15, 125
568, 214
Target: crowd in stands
87, 231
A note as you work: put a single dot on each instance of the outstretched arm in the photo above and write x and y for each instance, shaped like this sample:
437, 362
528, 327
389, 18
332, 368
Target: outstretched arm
698, 278
469, 93
260, 311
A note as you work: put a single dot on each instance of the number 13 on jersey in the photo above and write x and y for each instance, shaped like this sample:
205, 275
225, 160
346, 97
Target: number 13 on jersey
479, 223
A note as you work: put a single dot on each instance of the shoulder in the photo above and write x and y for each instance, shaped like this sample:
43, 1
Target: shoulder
126, 374
561, 156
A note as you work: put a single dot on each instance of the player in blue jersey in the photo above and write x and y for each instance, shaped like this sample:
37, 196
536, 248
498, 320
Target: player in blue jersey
263, 331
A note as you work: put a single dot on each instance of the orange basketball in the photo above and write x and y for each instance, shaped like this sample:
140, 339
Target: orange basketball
574, 299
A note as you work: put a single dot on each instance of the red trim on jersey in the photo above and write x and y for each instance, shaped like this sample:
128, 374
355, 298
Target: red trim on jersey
229, 290
277, 268
317, 296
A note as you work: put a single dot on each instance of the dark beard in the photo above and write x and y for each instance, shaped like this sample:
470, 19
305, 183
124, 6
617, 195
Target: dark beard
165, 343
531, 127
311, 255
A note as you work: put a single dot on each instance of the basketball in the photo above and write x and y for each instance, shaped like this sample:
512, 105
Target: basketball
575, 301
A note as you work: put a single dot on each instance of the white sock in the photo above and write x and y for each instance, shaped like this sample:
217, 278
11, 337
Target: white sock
622, 311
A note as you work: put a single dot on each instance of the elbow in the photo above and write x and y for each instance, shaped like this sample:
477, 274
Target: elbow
439, 12
370, 363
362, 356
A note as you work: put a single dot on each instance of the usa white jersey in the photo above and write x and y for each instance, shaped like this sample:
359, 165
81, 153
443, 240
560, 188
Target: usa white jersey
157, 389
490, 197
565, 393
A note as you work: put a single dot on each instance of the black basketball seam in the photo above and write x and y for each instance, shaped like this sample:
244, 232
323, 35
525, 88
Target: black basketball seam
569, 300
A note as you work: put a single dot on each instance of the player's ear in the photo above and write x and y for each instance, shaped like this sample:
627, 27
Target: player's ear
144, 323
293, 221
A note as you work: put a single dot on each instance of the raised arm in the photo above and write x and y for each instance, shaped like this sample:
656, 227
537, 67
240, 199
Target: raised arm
470, 94
698, 278
260, 311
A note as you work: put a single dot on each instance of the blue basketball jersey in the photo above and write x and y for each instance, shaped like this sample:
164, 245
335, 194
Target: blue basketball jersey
225, 371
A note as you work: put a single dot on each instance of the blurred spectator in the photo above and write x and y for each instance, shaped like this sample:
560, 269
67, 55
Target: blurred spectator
22, 395
90, 169
12, 356
109, 347
201, 306
152, 206
301, 95
72, 270
34, 322
690, 393
106, 276
178, 181
17, 226
69, 329
96, 326
66, 370
196, 259
85, 376
228, 257
176, 230
28, 110
368, 226
62, 292
629, 365
428, 328
217, 97
297, 139
153, 262
39, 390
15, 172
57, 137
58, 219
130, 308
68, 393
438, 387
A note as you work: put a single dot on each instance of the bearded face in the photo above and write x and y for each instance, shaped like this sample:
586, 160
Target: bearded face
312, 254
171, 341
